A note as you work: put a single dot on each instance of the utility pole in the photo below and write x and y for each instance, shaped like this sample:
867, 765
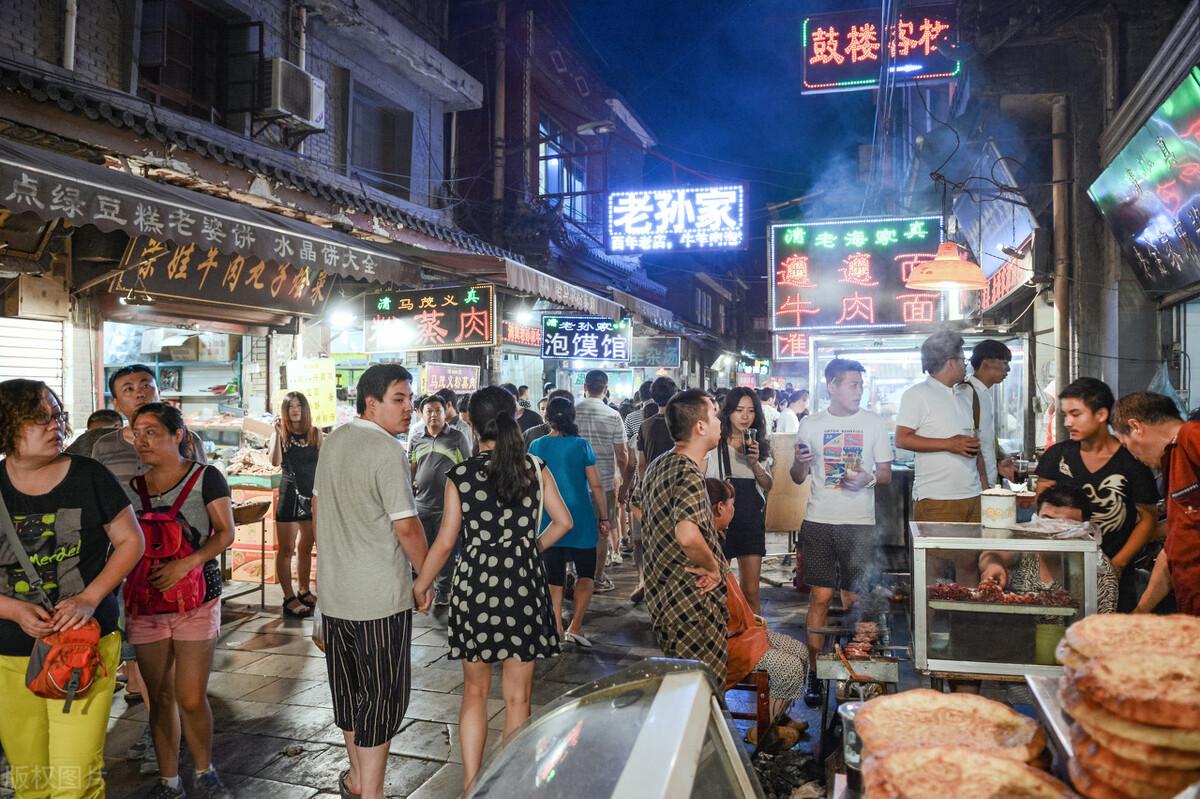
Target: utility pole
498, 110
1060, 150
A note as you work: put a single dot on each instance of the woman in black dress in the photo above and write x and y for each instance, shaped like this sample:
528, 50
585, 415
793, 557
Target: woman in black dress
500, 609
294, 446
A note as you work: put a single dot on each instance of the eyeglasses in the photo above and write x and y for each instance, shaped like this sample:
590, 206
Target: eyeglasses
42, 418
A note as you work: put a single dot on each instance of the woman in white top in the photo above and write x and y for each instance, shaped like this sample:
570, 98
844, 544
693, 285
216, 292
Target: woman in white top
792, 413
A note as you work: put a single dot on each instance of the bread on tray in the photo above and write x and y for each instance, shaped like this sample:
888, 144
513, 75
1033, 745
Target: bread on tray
955, 772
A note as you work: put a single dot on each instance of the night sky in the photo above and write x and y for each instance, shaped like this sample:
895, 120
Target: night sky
718, 82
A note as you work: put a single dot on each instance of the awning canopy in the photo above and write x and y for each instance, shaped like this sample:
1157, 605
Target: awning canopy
57, 186
520, 277
647, 312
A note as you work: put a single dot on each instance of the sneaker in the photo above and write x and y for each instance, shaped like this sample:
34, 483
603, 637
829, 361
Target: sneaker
138, 750
209, 786
162, 790
615, 559
603, 585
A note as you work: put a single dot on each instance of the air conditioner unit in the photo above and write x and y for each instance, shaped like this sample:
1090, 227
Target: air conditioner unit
291, 96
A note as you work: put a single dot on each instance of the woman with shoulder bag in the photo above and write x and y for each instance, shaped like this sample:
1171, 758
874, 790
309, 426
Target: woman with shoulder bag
66, 512
294, 446
175, 648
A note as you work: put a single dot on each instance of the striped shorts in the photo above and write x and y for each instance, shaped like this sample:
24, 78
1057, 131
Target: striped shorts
369, 675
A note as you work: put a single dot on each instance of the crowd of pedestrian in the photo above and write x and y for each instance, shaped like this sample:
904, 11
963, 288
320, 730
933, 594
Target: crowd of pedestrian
507, 516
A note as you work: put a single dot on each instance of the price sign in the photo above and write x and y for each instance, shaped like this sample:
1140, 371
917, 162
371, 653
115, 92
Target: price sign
316, 379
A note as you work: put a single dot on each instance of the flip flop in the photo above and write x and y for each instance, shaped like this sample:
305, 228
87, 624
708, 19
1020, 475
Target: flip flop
345, 792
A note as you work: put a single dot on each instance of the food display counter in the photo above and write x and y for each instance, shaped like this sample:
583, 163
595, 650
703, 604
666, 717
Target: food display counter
962, 629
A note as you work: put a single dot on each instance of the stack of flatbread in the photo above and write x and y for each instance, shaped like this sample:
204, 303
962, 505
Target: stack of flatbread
1132, 686
924, 743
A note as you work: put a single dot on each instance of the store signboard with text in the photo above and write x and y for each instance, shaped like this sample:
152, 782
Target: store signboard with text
655, 352
586, 338
458, 377
1150, 193
677, 219
521, 335
846, 50
849, 275
316, 379
162, 269
443, 318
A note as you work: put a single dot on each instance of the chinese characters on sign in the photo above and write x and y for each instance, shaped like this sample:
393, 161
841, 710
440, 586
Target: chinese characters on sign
1150, 193
454, 376
431, 319
655, 352
845, 50
162, 269
523, 335
586, 338
792, 346
316, 379
849, 275
698, 218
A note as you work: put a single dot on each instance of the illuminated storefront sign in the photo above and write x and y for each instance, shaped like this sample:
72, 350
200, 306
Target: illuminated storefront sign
697, 218
454, 376
849, 275
1150, 193
656, 352
431, 319
523, 335
792, 346
845, 50
586, 338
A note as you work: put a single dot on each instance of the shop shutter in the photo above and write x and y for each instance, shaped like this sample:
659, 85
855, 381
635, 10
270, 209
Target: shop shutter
32, 349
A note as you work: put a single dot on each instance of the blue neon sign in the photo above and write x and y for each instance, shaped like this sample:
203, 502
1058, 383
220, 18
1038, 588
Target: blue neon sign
661, 220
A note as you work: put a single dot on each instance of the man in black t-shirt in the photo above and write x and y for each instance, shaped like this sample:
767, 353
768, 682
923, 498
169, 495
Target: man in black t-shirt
1121, 490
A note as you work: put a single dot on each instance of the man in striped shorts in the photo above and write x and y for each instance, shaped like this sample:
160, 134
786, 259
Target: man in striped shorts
370, 541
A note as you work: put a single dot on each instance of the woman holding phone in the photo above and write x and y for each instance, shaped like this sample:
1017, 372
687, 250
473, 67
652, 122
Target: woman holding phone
743, 457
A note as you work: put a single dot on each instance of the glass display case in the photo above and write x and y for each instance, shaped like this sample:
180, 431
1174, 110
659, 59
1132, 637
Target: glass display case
992, 630
656, 730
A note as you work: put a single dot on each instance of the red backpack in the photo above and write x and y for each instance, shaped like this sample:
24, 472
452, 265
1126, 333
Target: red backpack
165, 542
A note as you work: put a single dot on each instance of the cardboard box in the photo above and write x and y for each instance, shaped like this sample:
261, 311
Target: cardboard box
180, 348
215, 347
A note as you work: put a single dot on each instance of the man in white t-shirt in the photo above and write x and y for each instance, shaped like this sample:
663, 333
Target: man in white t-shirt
847, 452
991, 362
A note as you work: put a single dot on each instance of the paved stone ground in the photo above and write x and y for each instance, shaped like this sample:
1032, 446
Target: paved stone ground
274, 726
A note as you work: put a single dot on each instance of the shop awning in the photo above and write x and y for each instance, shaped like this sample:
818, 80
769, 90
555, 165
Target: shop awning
57, 186
507, 272
647, 312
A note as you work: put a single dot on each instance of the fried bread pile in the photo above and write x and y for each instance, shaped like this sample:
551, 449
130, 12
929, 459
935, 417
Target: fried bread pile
1132, 687
924, 743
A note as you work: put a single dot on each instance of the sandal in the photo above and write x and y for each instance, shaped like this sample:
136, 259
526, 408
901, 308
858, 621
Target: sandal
343, 790
303, 613
307, 598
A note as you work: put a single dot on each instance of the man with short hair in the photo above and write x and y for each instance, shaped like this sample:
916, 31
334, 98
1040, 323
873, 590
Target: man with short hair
633, 422
99, 424
526, 417
132, 387
991, 362
846, 450
1150, 427
523, 397
371, 541
433, 452
766, 397
655, 438
1123, 492
685, 590
604, 429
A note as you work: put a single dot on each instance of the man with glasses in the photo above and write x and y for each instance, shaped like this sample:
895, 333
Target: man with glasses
991, 361
132, 387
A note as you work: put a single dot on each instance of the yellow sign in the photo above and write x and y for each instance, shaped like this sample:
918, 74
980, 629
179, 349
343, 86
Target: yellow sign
316, 379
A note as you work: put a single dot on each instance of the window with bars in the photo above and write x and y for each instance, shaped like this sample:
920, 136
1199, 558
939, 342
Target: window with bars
562, 173
704, 308
380, 142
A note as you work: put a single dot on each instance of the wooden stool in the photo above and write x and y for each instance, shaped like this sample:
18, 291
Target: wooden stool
760, 683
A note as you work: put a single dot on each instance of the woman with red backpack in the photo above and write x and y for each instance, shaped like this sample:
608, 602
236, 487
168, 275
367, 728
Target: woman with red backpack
65, 511
173, 596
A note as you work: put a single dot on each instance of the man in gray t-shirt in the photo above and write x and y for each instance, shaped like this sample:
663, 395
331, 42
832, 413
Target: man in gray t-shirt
370, 541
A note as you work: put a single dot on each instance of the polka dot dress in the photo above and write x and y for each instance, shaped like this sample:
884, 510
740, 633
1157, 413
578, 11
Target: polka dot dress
499, 602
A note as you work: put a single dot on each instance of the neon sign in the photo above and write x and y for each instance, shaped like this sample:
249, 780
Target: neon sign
846, 50
792, 346
848, 275
659, 220
431, 319
1150, 193
586, 338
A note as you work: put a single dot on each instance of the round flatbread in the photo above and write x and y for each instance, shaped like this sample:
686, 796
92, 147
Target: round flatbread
1069, 656
1135, 779
1093, 716
1124, 632
956, 772
1142, 752
923, 717
1159, 689
1091, 786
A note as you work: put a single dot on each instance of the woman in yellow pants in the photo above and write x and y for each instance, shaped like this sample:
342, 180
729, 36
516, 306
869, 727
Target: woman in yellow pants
67, 512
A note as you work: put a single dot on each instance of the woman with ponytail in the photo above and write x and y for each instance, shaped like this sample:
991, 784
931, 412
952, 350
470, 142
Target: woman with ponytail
572, 461
500, 608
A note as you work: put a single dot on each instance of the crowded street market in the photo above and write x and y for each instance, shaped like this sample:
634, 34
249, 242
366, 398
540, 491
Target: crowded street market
599, 399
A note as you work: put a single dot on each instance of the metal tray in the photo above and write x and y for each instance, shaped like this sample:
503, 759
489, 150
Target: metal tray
988, 607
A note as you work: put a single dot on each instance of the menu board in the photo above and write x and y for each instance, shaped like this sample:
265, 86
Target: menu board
849, 274
586, 338
316, 379
1150, 193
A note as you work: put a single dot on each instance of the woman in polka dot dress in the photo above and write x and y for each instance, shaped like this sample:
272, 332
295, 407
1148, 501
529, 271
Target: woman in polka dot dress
500, 608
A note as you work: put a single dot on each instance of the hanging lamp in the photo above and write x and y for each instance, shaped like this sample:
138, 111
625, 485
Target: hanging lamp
947, 271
